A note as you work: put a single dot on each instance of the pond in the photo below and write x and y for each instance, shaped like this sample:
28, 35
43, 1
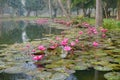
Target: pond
12, 32
21, 31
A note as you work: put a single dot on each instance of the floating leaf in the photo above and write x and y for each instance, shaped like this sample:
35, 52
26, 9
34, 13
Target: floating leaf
112, 76
59, 76
102, 68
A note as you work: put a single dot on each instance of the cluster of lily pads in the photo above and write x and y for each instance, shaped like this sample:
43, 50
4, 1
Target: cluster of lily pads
67, 46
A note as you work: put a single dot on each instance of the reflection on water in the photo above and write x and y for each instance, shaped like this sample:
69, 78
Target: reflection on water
22, 31
90, 74
19, 76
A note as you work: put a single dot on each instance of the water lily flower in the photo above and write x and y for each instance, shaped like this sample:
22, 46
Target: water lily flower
57, 38
103, 35
95, 44
80, 32
55, 45
64, 42
67, 48
76, 40
38, 57
41, 47
28, 45
104, 30
72, 43
33, 50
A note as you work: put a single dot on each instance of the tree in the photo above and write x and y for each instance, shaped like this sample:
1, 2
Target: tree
99, 17
2, 4
107, 4
84, 5
17, 6
63, 9
34, 5
118, 9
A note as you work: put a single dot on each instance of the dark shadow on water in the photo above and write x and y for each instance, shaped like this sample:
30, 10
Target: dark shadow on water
90, 74
19, 76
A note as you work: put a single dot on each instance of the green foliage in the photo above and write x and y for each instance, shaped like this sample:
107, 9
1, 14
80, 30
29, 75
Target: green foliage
14, 3
34, 5
111, 24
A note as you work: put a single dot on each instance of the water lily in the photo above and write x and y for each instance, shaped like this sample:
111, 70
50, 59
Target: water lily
33, 50
57, 38
76, 40
67, 48
80, 32
72, 43
38, 57
103, 30
55, 45
41, 47
28, 45
64, 42
95, 44
103, 35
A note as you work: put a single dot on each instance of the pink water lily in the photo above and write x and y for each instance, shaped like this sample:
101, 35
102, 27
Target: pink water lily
64, 42
67, 48
57, 38
104, 30
41, 47
76, 40
72, 43
80, 32
38, 57
55, 45
33, 50
28, 45
95, 44
103, 35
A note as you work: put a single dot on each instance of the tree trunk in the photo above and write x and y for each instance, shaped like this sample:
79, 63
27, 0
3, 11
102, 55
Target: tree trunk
77, 11
1, 10
99, 17
55, 12
118, 10
84, 12
36, 13
63, 9
68, 7
50, 9
28, 13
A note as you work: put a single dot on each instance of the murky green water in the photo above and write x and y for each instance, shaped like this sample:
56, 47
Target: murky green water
21, 31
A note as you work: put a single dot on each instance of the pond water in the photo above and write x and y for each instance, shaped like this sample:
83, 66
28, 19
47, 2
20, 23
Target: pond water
21, 31
90, 74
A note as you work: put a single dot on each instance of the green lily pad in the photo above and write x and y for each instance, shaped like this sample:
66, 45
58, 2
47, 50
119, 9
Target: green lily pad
109, 48
14, 70
80, 68
43, 75
59, 76
117, 60
112, 76
102, 68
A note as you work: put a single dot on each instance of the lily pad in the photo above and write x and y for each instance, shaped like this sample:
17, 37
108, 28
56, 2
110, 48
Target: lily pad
80, 68
102, 68
59, 76
43, 75
112, 76
109, 48
14, 70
